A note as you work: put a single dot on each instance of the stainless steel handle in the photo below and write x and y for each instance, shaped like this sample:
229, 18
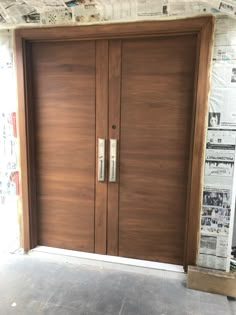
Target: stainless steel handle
113, 160
101, 159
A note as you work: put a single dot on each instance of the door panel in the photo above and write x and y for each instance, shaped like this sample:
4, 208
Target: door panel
64, 111
157, 87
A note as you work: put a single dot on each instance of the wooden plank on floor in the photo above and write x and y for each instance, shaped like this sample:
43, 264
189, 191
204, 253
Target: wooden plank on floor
212, 281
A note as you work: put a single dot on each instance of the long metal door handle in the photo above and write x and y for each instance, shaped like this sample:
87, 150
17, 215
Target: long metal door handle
101, 159
113, 160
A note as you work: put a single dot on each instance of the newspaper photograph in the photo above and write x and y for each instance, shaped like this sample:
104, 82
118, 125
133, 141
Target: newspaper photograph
87, 12
215, 220
219, 197
221, 137
32, 18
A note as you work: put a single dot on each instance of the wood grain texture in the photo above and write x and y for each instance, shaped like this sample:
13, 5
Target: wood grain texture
114, 133
114, 30
156, 119
64, 100
101, 132
202, 26
212, 281
30, 128
24, 207
195, 180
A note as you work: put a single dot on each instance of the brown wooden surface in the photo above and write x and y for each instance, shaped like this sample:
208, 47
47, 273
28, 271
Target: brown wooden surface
64, 100
212, 281
115, 30
31, 150
156, 119
114, 133
202, 26
101, 132
23, 206
195, 181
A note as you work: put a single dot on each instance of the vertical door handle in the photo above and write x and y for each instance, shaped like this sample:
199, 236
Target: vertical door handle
101, 159
113, 160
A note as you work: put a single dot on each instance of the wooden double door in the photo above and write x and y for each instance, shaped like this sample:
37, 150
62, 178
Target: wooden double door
137, 93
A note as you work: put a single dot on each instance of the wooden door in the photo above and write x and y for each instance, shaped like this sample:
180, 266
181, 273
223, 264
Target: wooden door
151, 102
63, 101
66, 80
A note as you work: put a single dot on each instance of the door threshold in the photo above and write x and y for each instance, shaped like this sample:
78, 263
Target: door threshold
105, 259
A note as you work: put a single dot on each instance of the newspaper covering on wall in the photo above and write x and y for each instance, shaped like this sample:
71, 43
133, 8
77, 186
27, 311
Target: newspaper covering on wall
88, 11
217, 210
8, 144
9, 175
219, 158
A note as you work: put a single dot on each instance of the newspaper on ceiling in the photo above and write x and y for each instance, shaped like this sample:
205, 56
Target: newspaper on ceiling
46, 5
54, 17
188, 7
87, 12
228, 7
149, 8
13, 11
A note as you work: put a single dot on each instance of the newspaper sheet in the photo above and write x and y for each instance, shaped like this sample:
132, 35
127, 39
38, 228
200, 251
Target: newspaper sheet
221, 136
188, 7
87, 12
63, 16
213, 252
13, 11
225, 54
151, 8
219, 164
46, 5
228, 7
217, 212
222, 110
9, 183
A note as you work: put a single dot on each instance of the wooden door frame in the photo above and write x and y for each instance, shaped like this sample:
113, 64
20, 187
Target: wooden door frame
202, 26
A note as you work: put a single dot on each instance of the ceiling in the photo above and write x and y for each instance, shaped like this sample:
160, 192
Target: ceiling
46, 12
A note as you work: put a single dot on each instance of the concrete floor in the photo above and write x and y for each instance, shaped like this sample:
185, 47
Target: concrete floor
33, 285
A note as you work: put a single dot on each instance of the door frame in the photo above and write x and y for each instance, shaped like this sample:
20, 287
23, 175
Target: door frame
202, 26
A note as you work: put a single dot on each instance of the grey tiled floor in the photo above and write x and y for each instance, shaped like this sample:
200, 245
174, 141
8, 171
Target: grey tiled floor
31, 286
